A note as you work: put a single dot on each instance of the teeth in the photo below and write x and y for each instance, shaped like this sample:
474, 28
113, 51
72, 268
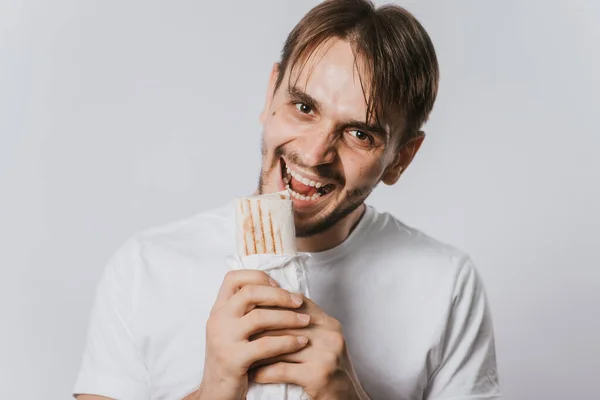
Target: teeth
302, 179
300, 196
305, 181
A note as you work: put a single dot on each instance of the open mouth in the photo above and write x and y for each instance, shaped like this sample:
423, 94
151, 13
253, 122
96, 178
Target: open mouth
304, 188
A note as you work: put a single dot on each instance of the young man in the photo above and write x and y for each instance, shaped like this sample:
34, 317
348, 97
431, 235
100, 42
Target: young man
393, 313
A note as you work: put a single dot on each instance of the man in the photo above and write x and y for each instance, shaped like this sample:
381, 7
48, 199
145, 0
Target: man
393, 313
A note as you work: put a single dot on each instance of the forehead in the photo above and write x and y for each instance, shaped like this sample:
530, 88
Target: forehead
334, 77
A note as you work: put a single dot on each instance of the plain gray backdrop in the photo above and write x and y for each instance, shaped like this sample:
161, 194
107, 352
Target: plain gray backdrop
116, 116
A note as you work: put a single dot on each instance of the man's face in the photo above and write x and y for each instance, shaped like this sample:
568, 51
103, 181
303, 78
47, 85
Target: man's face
317, 143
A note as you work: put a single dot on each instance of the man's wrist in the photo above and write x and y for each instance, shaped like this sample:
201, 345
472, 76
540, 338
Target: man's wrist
195, 395
348, 388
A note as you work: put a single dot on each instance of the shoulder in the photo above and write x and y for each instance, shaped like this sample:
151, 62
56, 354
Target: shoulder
159, 269
180, 242
414, 247
419, 263
431, 265
202, 231
200, 225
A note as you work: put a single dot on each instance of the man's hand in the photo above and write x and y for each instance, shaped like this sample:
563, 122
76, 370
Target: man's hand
323, 368
238, 314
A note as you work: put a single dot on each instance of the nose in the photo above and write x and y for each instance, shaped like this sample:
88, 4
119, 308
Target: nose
318, 148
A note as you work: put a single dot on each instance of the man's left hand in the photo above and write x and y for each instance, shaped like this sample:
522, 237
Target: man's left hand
322, 368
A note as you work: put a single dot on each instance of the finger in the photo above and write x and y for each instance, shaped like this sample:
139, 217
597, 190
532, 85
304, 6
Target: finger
271, 347
301, 356
235, 280
317, 315
259, 320
281, 372
251, 296
305, 331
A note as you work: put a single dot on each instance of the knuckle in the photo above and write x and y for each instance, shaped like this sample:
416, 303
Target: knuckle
257, 276
267, 344
279, 372
213, 311
330, 363
211, 326
284, 296
248, 292
262, 344
214, 330
257, 316
336, 325
336, 342
230, 276
262, 274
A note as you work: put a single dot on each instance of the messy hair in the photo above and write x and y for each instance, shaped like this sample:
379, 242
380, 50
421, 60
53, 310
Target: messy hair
402, 67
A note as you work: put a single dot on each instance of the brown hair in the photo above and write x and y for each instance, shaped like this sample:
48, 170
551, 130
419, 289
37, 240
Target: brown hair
400, 57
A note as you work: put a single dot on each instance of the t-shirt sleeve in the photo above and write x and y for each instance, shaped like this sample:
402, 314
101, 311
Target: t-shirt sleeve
467, 368
111, 365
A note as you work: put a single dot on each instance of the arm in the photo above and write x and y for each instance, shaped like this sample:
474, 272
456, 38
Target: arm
114, 368
111, 364
467, 364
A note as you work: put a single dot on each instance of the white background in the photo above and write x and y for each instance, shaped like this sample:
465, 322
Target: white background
119, 115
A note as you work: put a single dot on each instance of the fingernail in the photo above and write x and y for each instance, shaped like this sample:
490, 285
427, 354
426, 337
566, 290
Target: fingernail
297, 299
273, 282
304, 318
302, 340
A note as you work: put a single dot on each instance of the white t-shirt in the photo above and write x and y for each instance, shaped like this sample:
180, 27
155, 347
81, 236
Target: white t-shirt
413, 310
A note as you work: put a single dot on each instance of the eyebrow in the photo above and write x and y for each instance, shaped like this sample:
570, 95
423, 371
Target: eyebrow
303, 97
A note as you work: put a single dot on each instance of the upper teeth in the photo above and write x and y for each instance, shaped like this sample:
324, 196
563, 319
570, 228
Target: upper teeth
304, 180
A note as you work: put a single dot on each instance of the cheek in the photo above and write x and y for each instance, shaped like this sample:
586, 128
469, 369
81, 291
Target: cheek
362, 173
276, 129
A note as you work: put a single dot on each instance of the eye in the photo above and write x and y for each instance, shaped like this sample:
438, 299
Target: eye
360, 135
303, 108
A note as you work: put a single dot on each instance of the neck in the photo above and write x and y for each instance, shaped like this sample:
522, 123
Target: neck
332, 237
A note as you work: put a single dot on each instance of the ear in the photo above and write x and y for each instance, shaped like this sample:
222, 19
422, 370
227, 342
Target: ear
402, 159
270, 92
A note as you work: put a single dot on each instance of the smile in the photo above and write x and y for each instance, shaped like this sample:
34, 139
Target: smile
302, 187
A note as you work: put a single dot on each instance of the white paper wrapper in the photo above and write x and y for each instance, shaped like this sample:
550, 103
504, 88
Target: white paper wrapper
290, 272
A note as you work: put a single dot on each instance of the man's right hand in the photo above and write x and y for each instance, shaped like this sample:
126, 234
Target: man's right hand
239, 313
